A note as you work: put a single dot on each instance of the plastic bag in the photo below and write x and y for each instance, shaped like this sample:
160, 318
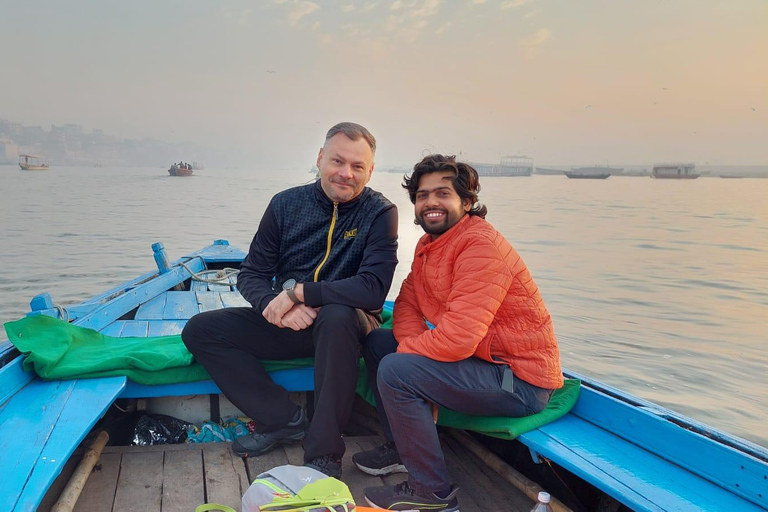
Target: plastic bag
152, 429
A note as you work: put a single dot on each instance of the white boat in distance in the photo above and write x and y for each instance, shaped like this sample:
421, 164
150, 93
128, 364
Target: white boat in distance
514, 165
675, 171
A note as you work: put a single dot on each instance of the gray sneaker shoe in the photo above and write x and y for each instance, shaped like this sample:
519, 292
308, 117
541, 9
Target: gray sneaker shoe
255, 444
402, 497
382, 460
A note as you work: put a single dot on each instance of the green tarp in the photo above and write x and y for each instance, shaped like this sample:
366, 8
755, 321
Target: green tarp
55, 349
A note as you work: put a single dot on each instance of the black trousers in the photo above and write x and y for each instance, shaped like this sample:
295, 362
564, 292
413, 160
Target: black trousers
230, 342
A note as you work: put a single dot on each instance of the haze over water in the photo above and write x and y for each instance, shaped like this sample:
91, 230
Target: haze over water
656, 287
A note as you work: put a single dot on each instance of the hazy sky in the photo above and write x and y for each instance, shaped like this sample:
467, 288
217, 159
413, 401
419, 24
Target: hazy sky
565, 82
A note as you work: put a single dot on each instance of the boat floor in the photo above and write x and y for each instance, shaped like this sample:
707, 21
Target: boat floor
176, 478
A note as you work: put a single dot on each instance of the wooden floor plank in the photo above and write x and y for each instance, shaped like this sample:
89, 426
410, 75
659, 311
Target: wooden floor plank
265, 462
139, 487
355, 479
485, 488
225, 477
183, 487
98, 494
295, 454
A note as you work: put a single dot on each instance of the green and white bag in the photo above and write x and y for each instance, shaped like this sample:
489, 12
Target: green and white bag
297, 489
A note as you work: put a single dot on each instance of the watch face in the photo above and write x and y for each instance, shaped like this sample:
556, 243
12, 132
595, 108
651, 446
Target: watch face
289, 284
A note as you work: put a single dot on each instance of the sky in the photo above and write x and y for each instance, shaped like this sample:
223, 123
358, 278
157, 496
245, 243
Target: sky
562, 81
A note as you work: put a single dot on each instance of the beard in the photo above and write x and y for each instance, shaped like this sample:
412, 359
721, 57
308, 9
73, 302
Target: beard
435, 228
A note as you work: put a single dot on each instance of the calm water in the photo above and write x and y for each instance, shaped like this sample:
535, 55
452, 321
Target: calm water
659, 288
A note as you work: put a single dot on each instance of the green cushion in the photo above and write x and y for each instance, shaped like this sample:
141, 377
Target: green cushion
562, 401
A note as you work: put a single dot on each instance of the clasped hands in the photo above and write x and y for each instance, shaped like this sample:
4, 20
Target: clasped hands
282, 312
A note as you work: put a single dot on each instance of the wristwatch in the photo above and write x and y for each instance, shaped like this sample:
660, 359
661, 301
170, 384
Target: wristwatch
289, 286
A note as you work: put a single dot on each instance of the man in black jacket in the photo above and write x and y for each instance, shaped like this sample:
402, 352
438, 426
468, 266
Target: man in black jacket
317, 274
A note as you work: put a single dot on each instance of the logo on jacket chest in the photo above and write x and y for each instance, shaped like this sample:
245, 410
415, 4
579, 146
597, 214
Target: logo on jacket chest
350, 234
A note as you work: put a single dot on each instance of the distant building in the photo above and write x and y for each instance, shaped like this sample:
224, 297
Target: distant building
9, 152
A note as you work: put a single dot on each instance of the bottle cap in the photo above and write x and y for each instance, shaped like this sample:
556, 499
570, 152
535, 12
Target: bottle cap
544, 497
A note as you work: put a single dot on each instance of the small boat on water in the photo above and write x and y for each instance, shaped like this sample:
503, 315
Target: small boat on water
731, 177
608, 450
675, 171
33, 163
176, 170
586, 176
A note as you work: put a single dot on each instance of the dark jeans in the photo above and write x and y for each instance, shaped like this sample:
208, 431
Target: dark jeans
408, 384
230, 342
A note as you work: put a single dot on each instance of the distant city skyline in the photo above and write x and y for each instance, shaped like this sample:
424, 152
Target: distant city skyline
587, 82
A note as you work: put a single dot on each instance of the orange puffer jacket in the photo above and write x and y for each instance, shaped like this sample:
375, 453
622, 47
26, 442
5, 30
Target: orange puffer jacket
474, 287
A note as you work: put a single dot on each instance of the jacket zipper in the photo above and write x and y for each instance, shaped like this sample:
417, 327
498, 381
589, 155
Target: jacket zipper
330, 235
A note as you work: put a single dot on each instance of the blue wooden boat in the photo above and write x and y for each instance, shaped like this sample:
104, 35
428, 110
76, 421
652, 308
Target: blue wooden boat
631, 452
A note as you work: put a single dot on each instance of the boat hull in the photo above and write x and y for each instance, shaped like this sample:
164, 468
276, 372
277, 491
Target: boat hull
580, 176
27, 167
180, 172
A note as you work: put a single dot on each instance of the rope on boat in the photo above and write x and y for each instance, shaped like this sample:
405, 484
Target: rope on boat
63, 313
221, 276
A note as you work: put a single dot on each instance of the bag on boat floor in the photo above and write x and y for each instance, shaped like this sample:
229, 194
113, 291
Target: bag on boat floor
297, 489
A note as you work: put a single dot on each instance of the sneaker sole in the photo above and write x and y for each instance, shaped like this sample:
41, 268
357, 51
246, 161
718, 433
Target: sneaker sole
387, 470
373, 505
287, 440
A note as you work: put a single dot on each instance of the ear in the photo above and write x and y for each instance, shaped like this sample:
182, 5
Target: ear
370, 172
319, 157
467, 205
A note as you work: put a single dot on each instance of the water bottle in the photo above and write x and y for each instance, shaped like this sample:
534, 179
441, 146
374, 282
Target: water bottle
542, 505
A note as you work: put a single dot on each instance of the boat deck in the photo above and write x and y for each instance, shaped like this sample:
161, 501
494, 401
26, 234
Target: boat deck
178, 478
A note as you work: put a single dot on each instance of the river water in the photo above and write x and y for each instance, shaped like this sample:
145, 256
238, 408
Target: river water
657, 287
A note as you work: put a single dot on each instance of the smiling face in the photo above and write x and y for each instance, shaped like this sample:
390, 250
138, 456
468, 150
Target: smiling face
345, 167
438, 207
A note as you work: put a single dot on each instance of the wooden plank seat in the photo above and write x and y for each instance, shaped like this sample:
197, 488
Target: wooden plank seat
644, 458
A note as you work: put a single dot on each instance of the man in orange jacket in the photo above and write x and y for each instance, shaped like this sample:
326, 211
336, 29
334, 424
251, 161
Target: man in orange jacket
492, 351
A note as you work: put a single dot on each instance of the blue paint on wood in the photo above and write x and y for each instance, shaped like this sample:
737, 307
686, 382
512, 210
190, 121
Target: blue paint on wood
126, 302
208, 301
180, 306
234, 300
152, 309
13, 378
47, 421
135, 329
40, 302
628, 472
161, 259
297, 379
114, 329
165, 327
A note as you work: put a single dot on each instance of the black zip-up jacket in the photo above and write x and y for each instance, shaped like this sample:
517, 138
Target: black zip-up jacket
344, 253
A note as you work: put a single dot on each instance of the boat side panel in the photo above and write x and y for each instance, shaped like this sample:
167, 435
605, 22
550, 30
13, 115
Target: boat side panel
42, 425
130, 300
12, 379
629, 473
737, 472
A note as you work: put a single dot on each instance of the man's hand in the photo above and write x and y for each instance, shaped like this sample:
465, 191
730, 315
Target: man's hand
299, 317
277, 308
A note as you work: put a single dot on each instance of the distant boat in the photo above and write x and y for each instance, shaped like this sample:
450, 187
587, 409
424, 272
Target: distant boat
33, 163
675, 171
598, 169
514, 165
175, 170
587, 176
730, 177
